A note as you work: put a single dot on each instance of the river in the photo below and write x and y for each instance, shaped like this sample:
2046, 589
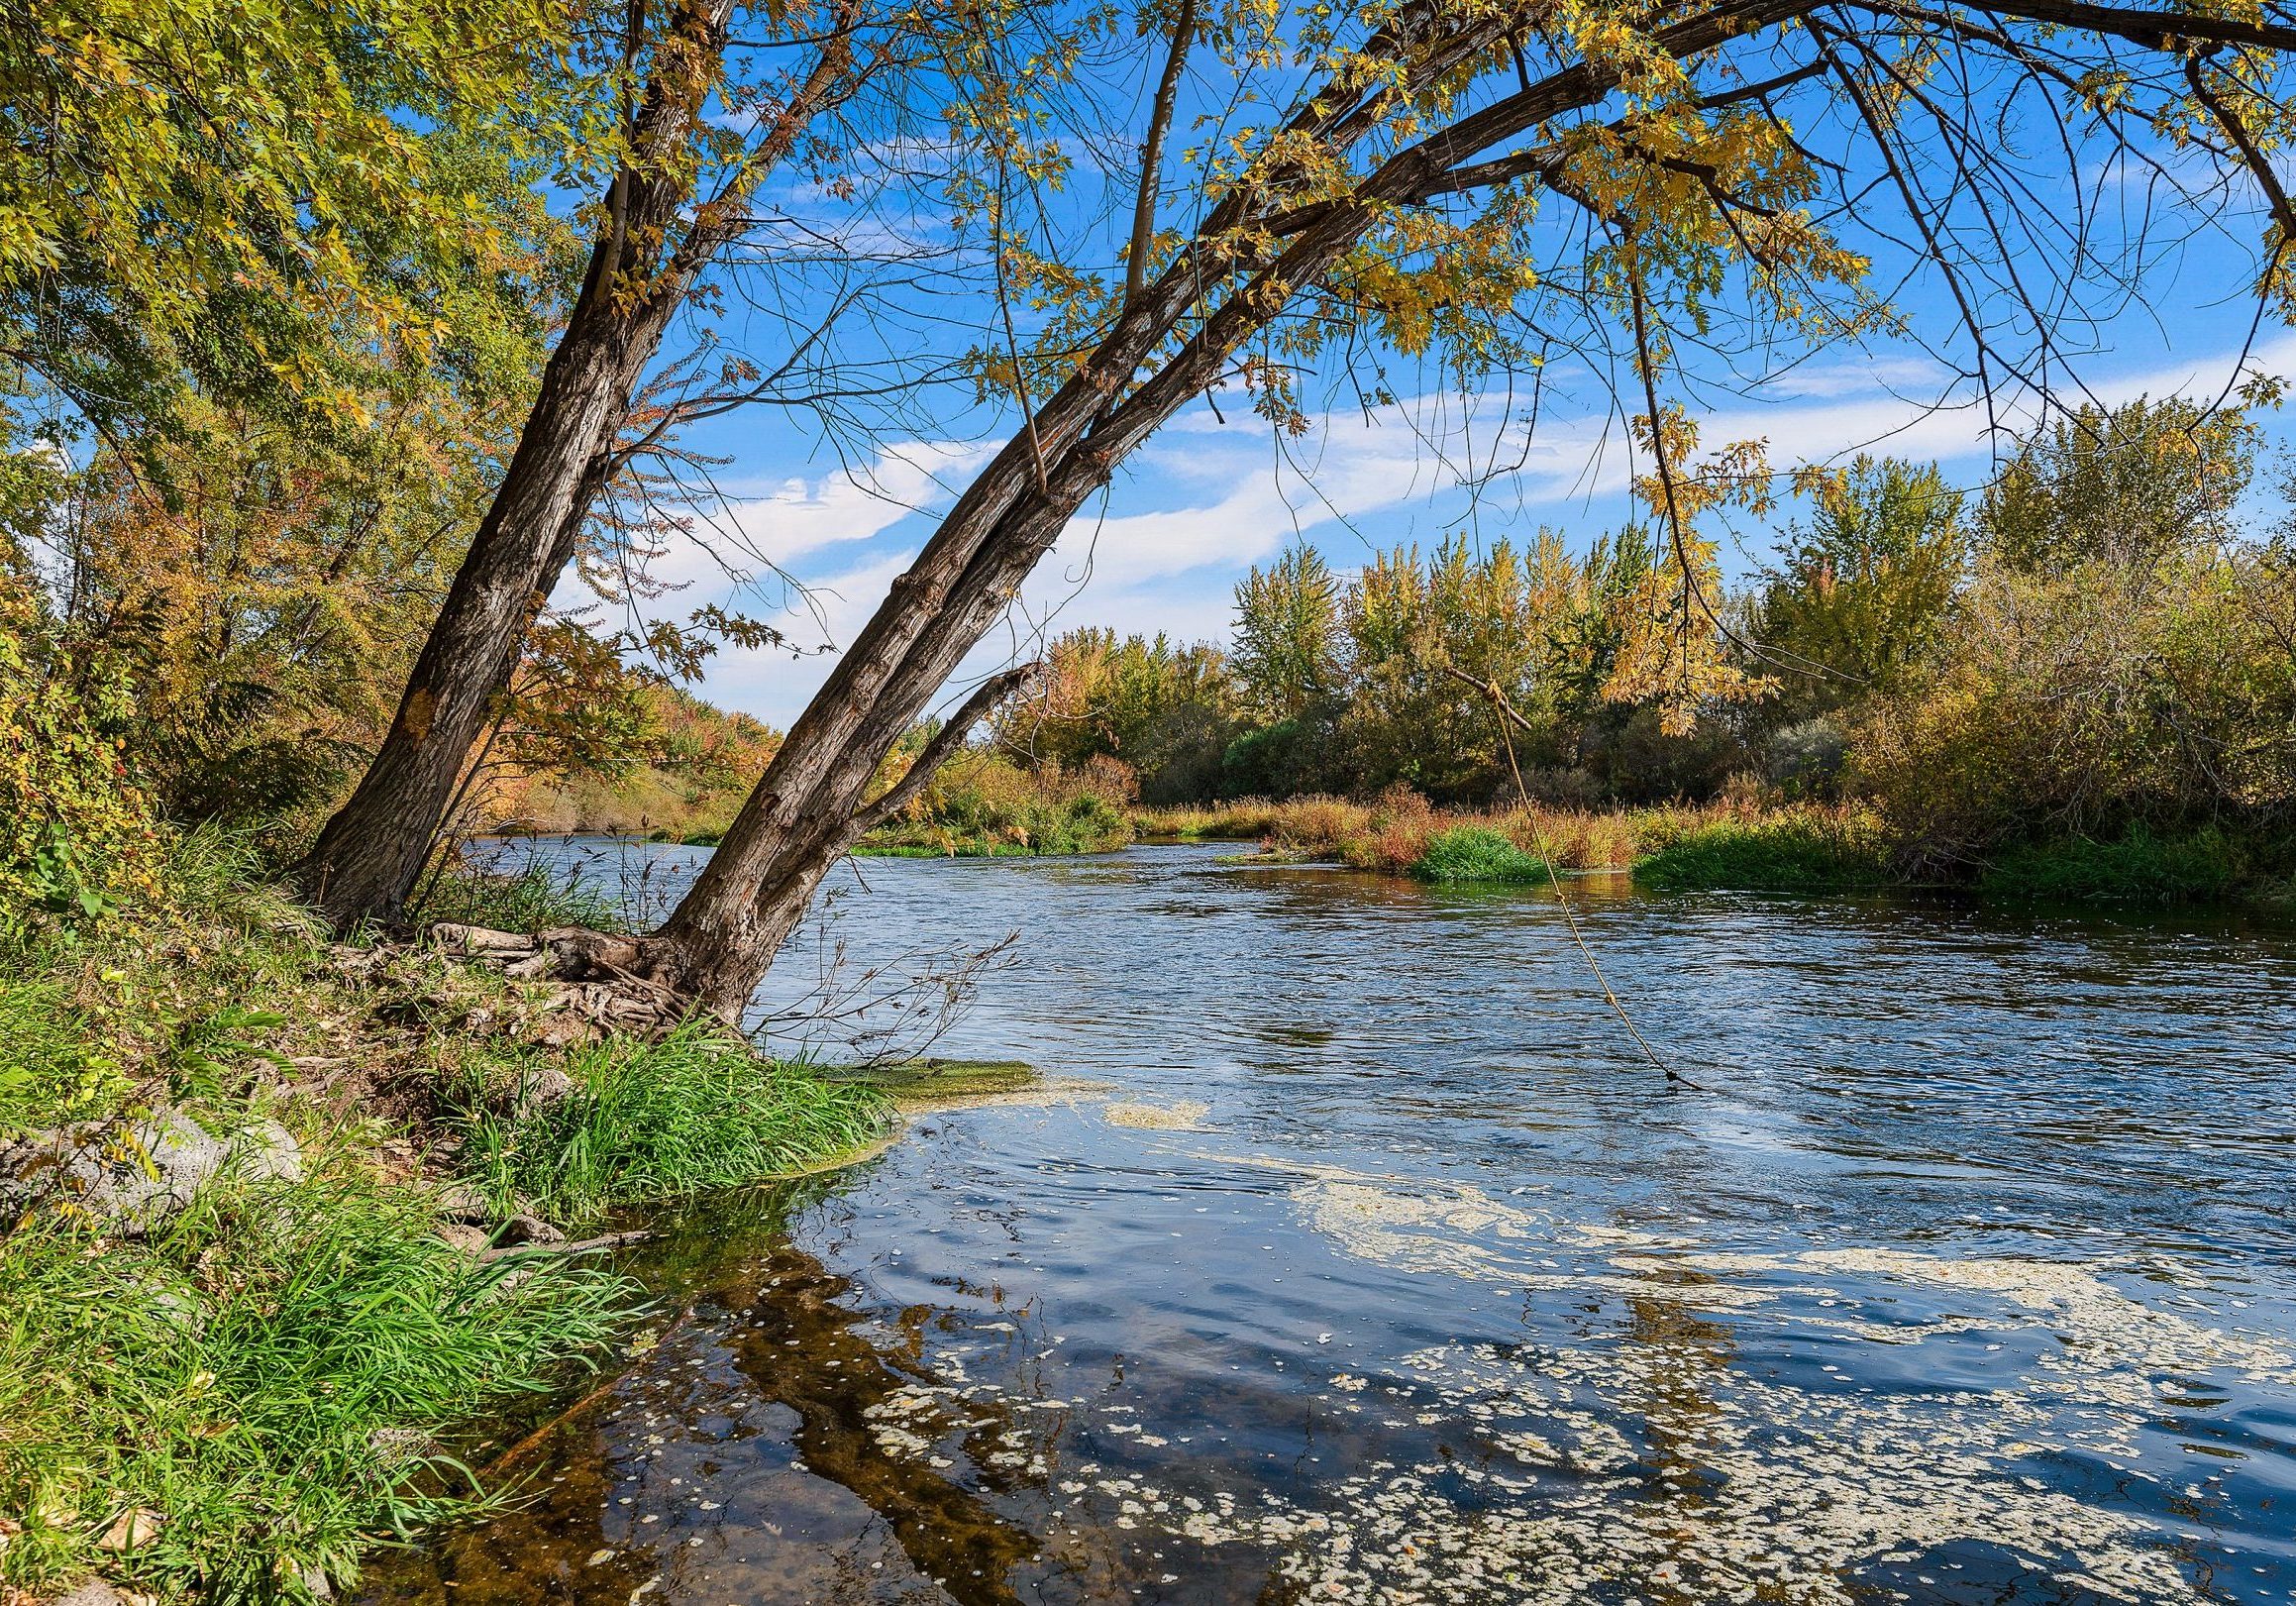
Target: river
1349, 1250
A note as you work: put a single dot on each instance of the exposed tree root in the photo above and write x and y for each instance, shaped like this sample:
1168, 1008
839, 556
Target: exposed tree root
600, 982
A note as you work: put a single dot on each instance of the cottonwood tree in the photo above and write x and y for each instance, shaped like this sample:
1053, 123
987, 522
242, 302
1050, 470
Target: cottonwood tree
1502, 180
701, 115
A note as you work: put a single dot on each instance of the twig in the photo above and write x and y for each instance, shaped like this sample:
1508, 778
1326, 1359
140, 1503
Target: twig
515, 1452
1508, 715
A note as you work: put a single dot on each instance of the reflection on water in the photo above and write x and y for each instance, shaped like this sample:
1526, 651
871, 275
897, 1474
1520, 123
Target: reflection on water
1385, 1271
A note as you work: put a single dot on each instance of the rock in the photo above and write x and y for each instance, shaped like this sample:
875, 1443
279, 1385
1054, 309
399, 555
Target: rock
526, 1230
460, 1201
95, 1592
545, 1090
132, 1529
145, 1172
466, 1238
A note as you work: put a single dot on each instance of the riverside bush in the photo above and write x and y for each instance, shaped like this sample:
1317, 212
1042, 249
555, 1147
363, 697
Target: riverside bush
78, 842
1469, 853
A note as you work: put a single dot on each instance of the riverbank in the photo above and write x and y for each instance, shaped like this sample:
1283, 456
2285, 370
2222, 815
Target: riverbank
285, 1216
1742, 847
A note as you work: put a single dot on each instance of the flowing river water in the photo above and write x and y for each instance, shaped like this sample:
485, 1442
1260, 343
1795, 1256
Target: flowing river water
1349, 1251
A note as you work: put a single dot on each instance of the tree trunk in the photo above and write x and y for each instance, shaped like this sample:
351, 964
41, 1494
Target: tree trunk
367, 857
660, 236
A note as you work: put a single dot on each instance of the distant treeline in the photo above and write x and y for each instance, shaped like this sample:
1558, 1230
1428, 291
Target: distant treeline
2096, 645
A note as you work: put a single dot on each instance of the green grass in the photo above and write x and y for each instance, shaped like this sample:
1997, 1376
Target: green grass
271, 1375
53, 1070
2138, 868
661, 1120
532, 899
1792, 852
1471, 853
933, 1083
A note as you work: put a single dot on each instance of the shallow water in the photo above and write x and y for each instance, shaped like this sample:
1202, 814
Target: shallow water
1352, 1253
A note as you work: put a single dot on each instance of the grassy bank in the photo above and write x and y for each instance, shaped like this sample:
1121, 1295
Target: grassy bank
1742, 847
235, 1398
1802, 847
983, 805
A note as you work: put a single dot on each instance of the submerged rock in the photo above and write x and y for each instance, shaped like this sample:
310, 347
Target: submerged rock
144, 1173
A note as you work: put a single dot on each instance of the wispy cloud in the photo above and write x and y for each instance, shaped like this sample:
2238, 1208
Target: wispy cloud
1205, 500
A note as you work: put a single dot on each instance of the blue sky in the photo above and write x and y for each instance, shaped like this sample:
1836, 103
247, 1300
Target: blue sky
1217, 491
1204, 501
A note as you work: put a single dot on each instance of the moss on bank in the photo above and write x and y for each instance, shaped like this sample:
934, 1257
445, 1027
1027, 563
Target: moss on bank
938, 1083
236, 1402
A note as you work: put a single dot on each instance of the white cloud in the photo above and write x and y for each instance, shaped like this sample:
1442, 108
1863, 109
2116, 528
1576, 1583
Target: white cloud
1173, 567
800, 517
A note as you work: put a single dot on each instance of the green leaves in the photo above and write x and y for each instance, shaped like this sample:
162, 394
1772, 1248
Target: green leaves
217, 191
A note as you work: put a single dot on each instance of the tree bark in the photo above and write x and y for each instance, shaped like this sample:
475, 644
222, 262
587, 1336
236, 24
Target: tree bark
659, 237
369, 854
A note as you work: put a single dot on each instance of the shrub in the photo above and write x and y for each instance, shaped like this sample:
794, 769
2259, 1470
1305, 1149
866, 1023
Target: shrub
78, 840
2138, 868
1475, 853
660, 1120
2087, 704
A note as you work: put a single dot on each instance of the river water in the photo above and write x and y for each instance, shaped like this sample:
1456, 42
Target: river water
1351, 1252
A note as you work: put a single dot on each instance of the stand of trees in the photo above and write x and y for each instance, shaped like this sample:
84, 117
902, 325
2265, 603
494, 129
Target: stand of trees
2093, 645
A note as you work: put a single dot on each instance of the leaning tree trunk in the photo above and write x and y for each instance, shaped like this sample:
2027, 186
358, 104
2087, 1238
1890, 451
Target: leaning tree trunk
657, 240
810, 804
369, 854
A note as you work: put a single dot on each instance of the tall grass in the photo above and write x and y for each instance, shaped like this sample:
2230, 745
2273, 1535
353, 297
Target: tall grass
1800, 847
2137, 868
660, 1120
269, 1379
532, 899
